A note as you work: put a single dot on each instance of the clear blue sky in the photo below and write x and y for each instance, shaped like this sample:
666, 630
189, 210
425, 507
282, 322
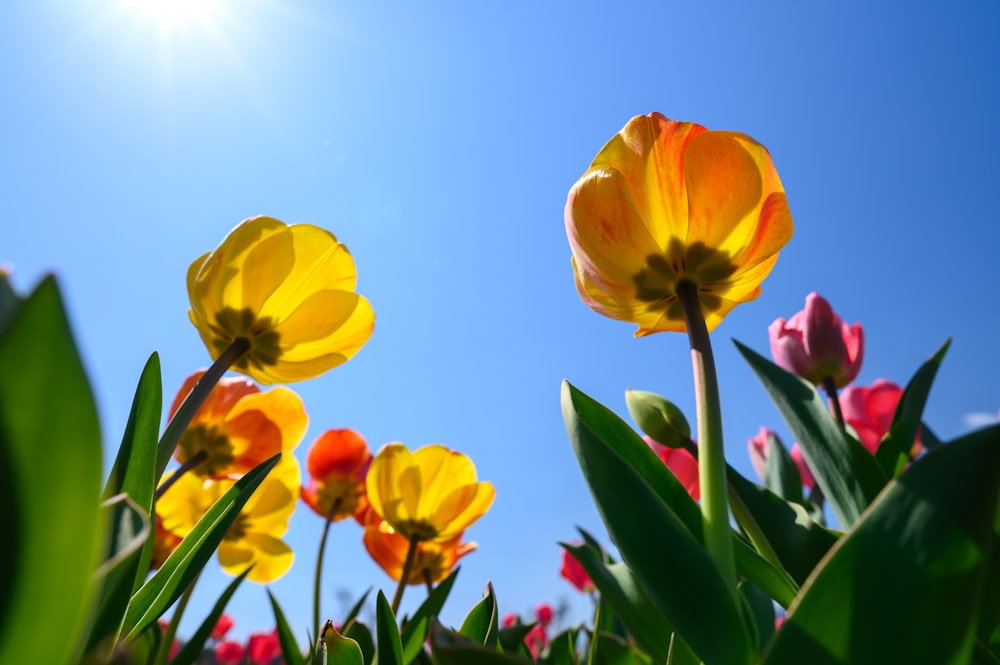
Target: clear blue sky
438, 141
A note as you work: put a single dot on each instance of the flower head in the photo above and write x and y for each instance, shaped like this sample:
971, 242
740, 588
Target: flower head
263, 648
817, 344
869, 410
255, 537
574, 573
337, 463
164, 543
288, 291
681, 463
432, 562
760, 448
667, 202
429, 494
238, 426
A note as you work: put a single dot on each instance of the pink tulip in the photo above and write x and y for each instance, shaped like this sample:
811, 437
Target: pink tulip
574, 573
759, 447
222, 626
817, 344
869, 410
229, 653
544, 614
263, 648
683, 465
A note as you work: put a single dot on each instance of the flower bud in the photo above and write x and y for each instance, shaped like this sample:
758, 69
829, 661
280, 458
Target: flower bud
658, 418
816, 344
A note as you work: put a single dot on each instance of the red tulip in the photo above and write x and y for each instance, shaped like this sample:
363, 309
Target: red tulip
681, 463
817, 344
574, 573
869, 411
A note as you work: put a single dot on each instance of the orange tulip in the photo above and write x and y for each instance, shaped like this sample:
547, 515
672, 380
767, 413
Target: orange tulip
238, 426
337, 463
432, 562
668, 202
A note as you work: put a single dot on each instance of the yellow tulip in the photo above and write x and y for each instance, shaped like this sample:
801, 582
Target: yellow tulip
255, 537
428, 495
288, 291
667, 202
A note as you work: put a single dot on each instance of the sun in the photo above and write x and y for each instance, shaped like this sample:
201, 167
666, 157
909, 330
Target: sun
170, 13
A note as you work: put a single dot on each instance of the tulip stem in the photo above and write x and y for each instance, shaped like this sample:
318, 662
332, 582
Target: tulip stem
191, 463
712, 460
185, 412
319, 563
831, 392
428, 581
411, 555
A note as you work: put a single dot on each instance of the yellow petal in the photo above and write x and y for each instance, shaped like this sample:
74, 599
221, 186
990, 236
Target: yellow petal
382, 481
281, 406
461, 508
271, 557
345, 340
267, 264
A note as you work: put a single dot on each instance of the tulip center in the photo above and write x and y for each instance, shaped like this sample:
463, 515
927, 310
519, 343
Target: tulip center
238, 529
216, 446
347, 492
233, 324
707, 268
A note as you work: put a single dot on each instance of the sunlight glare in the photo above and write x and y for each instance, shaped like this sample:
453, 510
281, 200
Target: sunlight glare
169, 13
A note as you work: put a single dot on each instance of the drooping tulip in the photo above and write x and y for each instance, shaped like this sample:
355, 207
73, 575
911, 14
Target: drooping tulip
668, 202
817, 344
288, 291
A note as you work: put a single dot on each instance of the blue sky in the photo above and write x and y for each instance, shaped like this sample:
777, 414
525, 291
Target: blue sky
438, 142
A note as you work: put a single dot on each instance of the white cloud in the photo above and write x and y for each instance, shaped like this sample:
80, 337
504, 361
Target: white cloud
979, 419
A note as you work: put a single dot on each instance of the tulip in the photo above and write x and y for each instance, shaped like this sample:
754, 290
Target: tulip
575, 574
222, 626
681, 463
287, 293
817, 344
432, 561
230, 653
337, 464
255, 537
428, 495
666, 203
238, 427
760, 447
263, 648
869, 411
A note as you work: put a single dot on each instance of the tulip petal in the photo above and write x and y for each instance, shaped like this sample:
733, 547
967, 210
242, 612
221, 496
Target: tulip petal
281, 408
271, 557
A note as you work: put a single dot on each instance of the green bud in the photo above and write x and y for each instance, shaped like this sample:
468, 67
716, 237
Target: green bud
658, 418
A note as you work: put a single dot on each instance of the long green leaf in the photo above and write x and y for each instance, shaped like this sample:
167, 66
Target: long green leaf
627, 599
50, 482
922, 547
360, 633
672, 565
846, 472
389, 650
130, 531
781, 476
192, 649
185, 562
894, 450
414, 633
798, 541
290, 651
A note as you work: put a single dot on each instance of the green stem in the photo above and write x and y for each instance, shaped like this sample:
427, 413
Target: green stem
831, 392
185, 413
319, 564
411, 554
712, 464
428, 581
191, 463
163, 651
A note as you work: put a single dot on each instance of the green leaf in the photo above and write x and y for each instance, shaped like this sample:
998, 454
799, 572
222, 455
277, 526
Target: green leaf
845, 471
482, 623
340, 650
613, 650
762, 608
453, 648
353, 613
389, 650
414, 633
798, 541
360, 633
625, 595
130, 531
561, 649
50, 483
894, 451
9, 301
290, 651
781, 476
671, 564
186, 561
922, 545
192, 649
